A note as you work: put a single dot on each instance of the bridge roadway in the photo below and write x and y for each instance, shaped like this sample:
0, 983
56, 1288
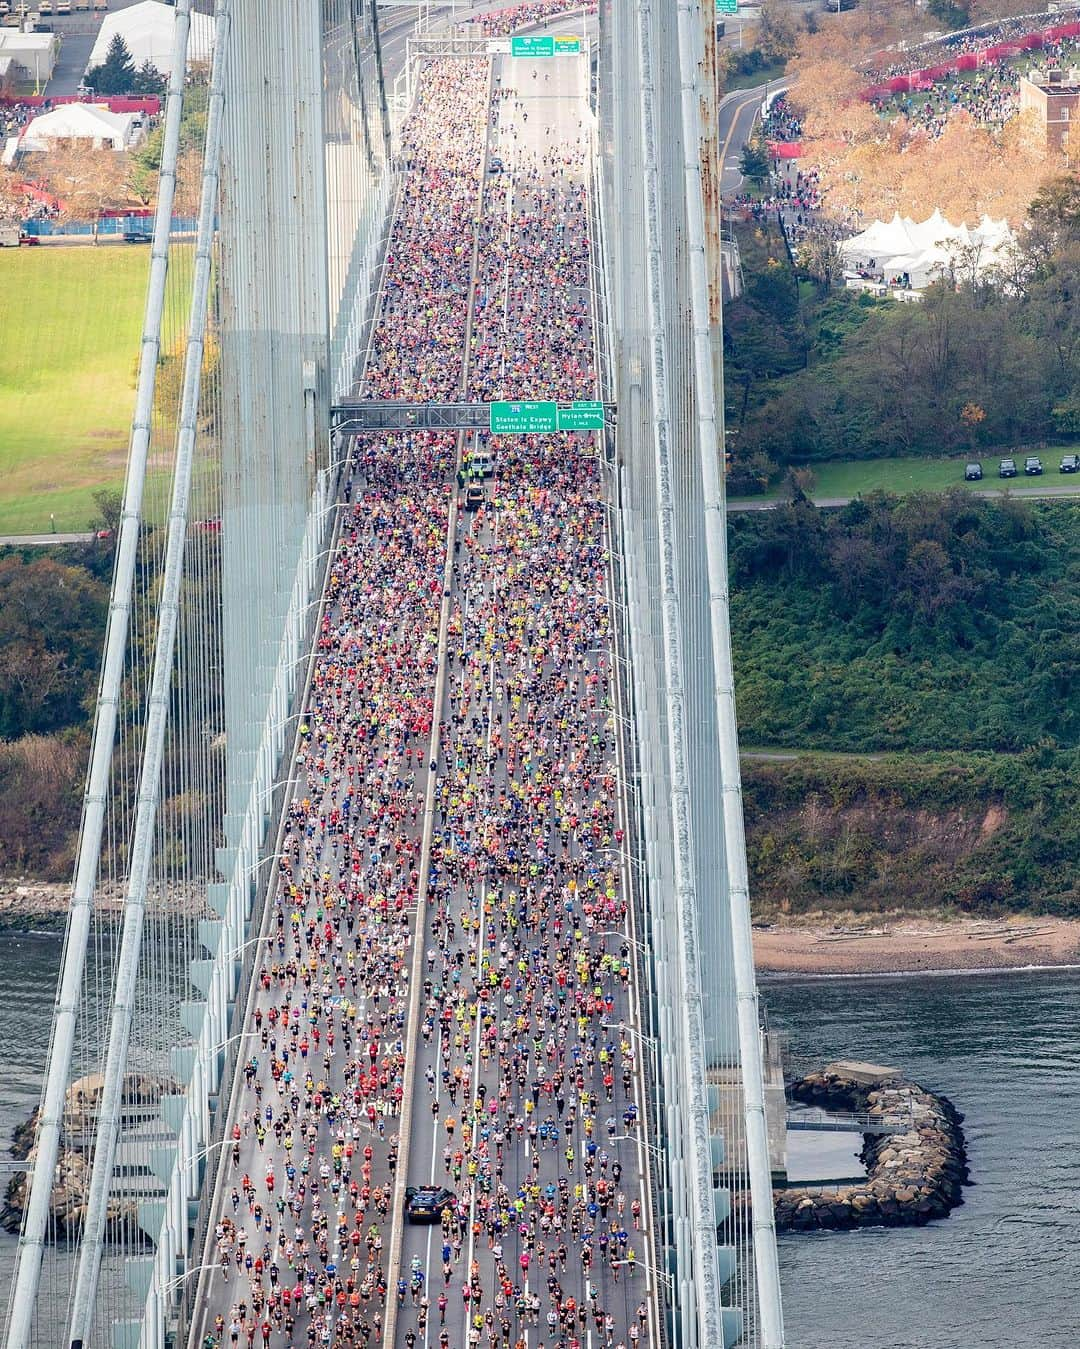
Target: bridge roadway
510, 1036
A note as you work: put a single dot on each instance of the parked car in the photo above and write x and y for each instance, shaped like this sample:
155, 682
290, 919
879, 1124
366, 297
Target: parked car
1033, 466
972, 472
1007, 468
1070, 463
426, 1203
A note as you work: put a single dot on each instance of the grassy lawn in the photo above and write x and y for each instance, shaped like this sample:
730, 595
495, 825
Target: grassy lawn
68, 359
856, 477
774, 72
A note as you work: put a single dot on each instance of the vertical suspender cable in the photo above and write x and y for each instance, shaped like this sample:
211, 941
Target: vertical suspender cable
35, 1224
709, 417
142, 847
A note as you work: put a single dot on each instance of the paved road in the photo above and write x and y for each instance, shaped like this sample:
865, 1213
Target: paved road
737, 113
42, 540
512, 1171
76, 46
522, 977
1037, 493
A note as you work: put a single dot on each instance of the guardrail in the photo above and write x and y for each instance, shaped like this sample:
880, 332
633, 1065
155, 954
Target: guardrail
860, 1121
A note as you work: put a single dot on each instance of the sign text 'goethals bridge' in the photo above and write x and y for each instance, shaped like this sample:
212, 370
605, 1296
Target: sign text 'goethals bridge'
535, 418
544, 46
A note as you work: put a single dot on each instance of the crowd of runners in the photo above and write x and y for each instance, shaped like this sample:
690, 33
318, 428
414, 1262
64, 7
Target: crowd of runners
524, 1057
500, 22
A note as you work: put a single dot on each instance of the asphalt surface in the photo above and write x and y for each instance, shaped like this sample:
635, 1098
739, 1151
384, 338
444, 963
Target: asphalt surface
1028, 493
524, 1070
546, 1269
76, 46
735, 120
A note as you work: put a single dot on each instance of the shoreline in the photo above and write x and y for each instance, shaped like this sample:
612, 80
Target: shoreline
909, 945
41, 907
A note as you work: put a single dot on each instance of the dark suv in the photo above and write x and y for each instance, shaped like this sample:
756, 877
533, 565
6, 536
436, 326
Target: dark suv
1070, 463
1033, 466
1007, 468
972, 472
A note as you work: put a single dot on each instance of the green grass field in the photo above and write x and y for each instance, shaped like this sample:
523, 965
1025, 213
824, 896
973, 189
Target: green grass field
68, 360
856, 477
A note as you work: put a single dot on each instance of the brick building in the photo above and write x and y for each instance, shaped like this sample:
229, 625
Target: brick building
1054, 97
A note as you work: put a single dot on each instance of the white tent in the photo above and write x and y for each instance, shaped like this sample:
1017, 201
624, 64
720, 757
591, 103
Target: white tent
148, 29
877, 241
82, 121
924, 249
931, 231
993, 233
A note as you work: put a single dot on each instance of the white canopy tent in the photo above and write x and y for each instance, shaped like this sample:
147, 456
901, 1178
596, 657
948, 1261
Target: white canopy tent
923, 249
82, 121
147, 28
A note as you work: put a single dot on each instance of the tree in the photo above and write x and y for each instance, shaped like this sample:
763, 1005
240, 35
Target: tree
52, 618
110, 504
12, 202
87, 182
951, 14
778, 31
188, 196
754, 160
117, 73
819, 257
149, 80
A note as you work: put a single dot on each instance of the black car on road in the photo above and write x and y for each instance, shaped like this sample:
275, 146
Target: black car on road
426, 1203
1007, 468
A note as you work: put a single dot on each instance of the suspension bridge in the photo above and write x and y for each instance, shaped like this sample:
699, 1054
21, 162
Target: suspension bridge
431, 1016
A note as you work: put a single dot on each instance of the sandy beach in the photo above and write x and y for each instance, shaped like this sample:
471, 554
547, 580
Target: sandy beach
911, 944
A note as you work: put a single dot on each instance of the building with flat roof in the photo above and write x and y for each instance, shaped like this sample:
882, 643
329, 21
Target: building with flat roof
32, 56
1054, 97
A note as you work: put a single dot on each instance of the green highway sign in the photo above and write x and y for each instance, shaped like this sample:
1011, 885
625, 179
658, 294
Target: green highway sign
727, 6
538, 419
581, 417
532, 46
509, 419
545, 46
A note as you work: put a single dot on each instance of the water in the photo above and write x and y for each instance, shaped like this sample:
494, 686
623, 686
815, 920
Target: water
1002, 1269
1000, 1272
30, 965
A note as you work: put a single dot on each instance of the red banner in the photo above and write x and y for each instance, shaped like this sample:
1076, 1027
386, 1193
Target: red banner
149, 106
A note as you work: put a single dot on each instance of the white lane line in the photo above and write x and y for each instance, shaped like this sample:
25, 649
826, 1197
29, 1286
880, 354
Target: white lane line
474, 1082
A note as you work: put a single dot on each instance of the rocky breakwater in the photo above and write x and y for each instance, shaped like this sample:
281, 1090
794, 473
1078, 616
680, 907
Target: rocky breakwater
914, 1173
67, 1207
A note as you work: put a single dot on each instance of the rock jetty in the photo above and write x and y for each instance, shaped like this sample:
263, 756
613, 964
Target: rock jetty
67, 1208
913, 1175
